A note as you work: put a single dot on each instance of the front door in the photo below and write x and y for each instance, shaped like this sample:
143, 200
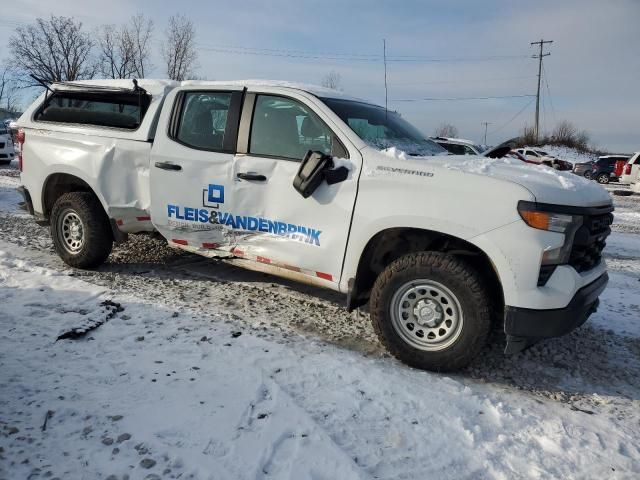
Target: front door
278, 225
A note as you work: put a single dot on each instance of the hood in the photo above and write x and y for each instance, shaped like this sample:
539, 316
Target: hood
545, 184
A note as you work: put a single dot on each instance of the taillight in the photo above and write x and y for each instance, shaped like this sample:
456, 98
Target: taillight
627, 169
20, 137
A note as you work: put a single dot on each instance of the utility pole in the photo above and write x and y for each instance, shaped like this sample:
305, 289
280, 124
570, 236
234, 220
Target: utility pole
486, 124
539, 57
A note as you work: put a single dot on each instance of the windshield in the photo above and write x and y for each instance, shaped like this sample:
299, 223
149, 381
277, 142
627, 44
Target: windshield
383, 129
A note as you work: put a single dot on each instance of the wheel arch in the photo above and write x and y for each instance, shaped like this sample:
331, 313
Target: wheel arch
392, 243
60, 183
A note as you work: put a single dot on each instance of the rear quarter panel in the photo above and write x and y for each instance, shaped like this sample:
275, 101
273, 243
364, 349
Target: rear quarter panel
116, 169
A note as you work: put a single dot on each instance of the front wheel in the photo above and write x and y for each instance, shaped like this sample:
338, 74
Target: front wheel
430, 311
603, 178
80, 230
587, 174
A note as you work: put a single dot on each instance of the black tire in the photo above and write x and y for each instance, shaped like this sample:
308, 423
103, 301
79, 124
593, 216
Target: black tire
461, 280
603, 178
587, 174
97, 238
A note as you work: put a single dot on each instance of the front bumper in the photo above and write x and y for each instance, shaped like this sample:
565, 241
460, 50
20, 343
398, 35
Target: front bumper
525, 326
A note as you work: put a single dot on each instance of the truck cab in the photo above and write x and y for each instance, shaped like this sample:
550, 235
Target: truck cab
324, 188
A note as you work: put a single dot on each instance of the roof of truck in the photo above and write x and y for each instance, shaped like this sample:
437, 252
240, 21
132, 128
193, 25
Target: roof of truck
155, 87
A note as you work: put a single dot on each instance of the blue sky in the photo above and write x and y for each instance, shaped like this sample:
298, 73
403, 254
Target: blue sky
593, 73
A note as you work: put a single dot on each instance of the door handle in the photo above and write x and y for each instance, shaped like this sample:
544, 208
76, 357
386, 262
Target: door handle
168, 166
252, 176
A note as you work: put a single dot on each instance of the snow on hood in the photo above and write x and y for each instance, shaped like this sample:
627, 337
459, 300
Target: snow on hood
546, 184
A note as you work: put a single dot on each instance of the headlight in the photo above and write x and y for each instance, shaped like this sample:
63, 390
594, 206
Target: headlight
543, 217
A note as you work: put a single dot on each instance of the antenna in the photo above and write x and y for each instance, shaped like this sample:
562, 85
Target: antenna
386, 91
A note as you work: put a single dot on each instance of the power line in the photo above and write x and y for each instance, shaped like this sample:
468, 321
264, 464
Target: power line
540, 56
546, 82
446, 82
340, 56
514, 117
386, 90
430, 99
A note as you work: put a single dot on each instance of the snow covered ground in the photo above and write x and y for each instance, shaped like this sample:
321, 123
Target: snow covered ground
200, 370
569, 154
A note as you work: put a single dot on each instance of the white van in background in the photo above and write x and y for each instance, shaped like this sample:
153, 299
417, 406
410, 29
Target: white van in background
631, 172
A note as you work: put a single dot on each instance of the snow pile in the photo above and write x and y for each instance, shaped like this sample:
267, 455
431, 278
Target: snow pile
567, 180
482, 165
394, 152
513, 169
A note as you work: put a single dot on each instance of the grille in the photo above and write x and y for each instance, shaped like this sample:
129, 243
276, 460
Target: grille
589, 241
1, 144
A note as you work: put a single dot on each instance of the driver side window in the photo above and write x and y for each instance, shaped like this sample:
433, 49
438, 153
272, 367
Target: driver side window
283, 127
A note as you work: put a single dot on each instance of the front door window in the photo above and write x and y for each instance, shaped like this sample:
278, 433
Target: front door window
285, 128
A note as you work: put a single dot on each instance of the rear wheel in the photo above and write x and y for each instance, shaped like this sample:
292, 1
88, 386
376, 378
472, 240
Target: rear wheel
431, 311
587, 174
603, 178
80, 230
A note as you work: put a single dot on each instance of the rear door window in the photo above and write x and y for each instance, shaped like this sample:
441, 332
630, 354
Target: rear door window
204, 119
114, 109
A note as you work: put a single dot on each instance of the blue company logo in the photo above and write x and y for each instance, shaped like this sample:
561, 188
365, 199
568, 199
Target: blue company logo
213, 196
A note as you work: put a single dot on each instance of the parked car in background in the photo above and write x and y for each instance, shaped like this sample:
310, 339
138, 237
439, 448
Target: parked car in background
631, 172
515, 154
608, 168
538, 156
583, 169
6, 146
458, 146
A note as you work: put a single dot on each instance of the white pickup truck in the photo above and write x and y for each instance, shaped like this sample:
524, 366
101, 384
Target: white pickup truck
314, 185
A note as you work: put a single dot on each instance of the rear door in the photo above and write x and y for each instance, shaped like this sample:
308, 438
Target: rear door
191, 166
274, 224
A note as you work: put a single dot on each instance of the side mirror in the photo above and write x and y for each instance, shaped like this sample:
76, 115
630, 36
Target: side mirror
311, 172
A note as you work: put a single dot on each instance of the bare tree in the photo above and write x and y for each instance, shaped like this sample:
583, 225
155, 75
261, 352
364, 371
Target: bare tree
8, 92
445, 130
124, 51
141, 30
5, 80
332, 80
582, 141
179, 50
565, 132
54, 50
116, 52
528, 136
